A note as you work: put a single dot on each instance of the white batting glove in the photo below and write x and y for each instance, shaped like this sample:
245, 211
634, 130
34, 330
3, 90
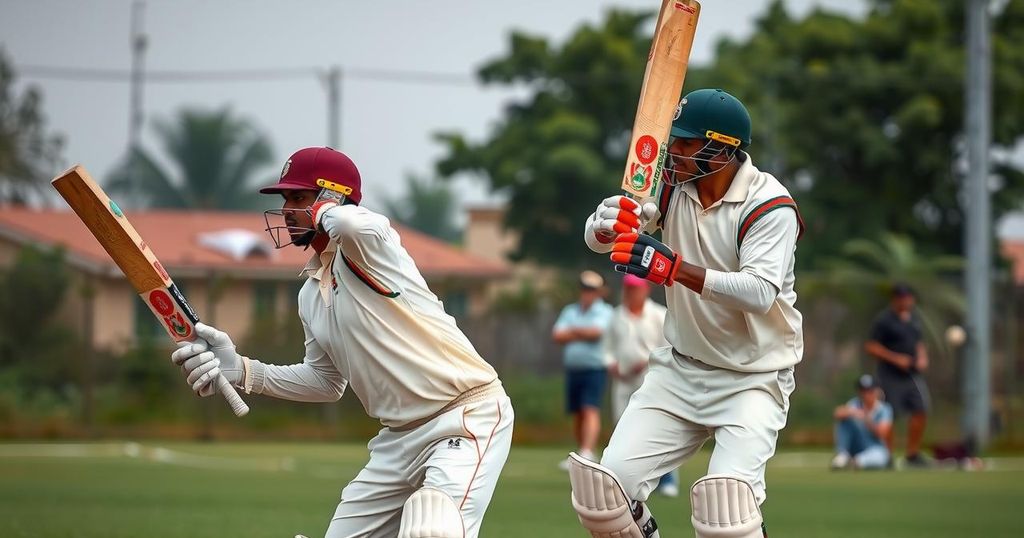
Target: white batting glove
620, 215
229, 361
208, 357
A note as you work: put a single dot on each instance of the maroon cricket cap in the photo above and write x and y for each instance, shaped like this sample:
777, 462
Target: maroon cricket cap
307, 165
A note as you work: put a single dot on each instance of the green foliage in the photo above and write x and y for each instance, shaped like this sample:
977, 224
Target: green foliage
28, 154
560, 150
33, 348
216, 158
865, 120
427, 206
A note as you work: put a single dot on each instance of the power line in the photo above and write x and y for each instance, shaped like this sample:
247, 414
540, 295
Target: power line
90, 74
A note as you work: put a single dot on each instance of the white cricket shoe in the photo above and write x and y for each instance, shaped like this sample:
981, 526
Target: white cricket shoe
840, 461
668, 490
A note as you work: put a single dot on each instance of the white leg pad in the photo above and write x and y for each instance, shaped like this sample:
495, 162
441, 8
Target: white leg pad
724, 507
431, 513
600, 502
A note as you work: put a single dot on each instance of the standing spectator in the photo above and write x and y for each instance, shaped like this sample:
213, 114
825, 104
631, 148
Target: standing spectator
579, 328
636, 329
862, 426
896, 342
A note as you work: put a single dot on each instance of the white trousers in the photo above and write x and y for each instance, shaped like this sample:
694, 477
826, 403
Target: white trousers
622, 391
681, 404
460, 452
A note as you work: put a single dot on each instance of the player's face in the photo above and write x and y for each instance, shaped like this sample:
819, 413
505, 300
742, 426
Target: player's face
685, 147
869, 397
296, 217
903, 303
634, 296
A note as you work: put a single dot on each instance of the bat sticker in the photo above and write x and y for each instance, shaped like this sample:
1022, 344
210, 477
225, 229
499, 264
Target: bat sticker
646, 149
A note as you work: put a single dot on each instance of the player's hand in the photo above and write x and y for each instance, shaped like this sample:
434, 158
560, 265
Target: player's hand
317, 211
645, 257
198, 364
903, 362
620, 214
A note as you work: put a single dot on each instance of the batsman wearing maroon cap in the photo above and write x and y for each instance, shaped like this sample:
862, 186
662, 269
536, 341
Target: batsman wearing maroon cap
372, 325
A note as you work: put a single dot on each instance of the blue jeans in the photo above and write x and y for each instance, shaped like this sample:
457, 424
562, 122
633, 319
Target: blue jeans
853, 438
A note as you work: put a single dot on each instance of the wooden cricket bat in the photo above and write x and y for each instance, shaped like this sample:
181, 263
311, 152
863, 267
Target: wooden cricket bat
132, 254
659, 96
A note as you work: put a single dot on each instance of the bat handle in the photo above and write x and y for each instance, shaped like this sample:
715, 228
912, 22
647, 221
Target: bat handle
234, 400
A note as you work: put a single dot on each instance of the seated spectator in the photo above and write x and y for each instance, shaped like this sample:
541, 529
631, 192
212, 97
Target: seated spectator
862, 427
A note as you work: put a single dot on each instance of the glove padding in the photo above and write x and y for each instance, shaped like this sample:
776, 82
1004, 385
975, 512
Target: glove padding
208, 357
645, 257
620, 214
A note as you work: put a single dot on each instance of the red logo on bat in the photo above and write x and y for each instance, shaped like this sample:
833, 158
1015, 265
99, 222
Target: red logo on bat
685, 7
161, 302
646, 149
160, 269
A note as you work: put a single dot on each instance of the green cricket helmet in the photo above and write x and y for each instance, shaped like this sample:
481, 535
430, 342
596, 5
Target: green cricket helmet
711, 114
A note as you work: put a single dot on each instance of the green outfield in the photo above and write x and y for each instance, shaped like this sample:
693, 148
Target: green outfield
277, 490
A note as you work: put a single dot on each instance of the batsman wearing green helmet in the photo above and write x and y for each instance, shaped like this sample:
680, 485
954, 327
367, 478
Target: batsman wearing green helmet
729, 234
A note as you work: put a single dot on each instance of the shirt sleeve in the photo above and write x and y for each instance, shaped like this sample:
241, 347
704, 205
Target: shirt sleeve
368, 244
315, 379
563, 321
768, 247
766, 256
884, 414
878, 330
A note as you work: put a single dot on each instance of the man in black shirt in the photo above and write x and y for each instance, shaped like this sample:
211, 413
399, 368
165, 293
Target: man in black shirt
897, 342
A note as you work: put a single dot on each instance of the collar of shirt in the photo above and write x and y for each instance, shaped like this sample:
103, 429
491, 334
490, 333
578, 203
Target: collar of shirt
738, 189
320, 263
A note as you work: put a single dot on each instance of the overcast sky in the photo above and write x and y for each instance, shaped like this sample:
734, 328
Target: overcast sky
386, 126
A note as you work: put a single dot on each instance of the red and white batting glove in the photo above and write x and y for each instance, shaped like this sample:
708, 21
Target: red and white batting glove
645, 257
618, 215
318, 210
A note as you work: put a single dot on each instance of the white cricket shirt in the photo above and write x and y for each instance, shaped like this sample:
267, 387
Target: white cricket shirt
630, 338
710, 327
372, 323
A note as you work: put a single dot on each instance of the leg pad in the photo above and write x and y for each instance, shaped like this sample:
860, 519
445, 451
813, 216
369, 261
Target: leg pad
431, 513
600, 502
725, 507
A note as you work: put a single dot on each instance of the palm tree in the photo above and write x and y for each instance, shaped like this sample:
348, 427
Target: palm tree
215, 157
29, 155
428, 206
868, 269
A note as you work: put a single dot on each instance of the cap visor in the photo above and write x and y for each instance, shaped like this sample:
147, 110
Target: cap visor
275, 189
679, 132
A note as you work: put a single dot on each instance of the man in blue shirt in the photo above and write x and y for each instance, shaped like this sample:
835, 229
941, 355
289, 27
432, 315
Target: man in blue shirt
862, 426
579, 328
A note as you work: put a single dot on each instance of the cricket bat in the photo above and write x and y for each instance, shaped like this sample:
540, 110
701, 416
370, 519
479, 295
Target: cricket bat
140, 265
659, 96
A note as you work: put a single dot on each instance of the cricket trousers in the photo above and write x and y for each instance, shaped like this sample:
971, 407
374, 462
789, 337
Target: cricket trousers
460, 452
683, 403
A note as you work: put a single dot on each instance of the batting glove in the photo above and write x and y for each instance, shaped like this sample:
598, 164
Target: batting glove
318, 210
620, 214
645, 257
203, 360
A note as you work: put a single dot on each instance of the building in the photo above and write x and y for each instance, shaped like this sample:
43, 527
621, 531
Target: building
223, 262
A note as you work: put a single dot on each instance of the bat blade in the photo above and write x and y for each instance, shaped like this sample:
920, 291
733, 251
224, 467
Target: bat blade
137, 261
659, 96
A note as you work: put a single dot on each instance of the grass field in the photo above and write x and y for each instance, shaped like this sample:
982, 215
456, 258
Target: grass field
278, 490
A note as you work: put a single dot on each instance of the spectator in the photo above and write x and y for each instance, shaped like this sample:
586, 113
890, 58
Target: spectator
636, 329
896, 342
862, 425
579, 328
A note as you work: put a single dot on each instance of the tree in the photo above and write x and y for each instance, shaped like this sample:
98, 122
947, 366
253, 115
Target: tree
864, 117
562, 149
427, 206
28, 154
215, 156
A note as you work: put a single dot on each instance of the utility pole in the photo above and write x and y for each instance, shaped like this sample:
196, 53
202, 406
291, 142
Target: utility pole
978, 233
332, 79
138, 44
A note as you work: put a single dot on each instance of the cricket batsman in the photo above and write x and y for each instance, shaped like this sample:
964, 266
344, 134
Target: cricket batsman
734, 335
372, 324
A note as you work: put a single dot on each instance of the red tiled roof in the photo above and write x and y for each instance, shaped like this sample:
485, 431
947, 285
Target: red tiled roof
174, 237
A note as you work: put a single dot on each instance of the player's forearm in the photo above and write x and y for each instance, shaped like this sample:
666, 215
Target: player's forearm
879, 351
589, 334
297, 382
739, 290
